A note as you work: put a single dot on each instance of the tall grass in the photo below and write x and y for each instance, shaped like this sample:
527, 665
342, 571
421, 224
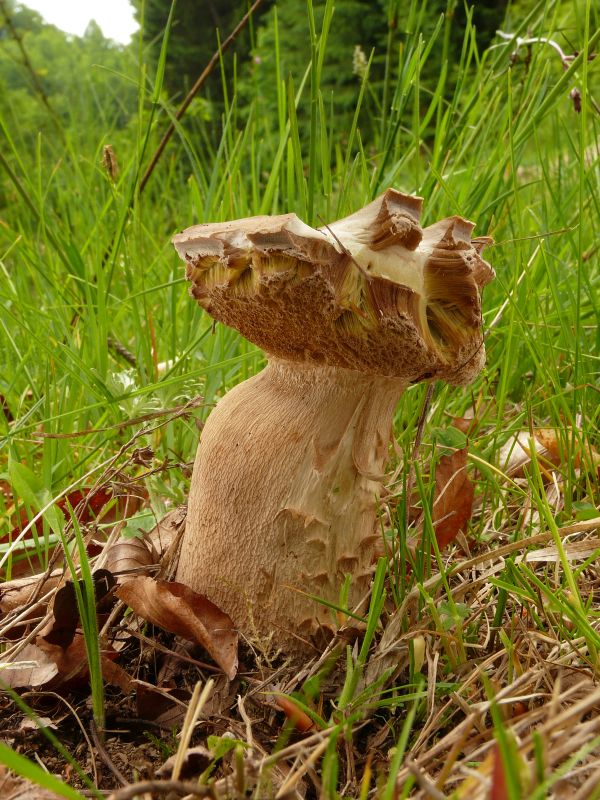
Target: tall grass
87, 262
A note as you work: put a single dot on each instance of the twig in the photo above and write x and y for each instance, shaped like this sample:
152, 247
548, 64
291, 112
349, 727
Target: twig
161, 787
105, 757
520, 42
424, 781
197, 402
566, 61
196, 705
295, 776
194, 91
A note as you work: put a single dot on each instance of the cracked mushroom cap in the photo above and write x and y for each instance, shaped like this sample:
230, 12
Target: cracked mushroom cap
372, 292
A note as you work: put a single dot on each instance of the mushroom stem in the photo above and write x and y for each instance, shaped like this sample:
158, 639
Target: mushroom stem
284, 496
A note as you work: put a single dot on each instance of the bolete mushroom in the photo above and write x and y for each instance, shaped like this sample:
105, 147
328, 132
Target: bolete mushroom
285, 487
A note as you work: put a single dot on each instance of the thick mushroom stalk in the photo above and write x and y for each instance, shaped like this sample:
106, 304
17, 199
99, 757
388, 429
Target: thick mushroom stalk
284, 491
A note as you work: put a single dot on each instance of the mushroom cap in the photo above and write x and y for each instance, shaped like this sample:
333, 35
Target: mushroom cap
372, 292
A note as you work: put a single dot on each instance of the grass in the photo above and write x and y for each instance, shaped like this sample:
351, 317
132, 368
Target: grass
473, 661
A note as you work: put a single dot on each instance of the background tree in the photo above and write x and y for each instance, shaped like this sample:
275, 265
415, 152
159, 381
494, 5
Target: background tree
194, 38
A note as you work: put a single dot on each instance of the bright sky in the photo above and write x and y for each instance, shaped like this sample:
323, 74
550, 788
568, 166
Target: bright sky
115, 17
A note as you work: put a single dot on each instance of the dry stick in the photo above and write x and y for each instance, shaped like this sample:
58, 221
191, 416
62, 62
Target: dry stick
163, 412
565, 59
424, 781
294, 777
586, 789
196, 705
105, 757
194, 91
161, 787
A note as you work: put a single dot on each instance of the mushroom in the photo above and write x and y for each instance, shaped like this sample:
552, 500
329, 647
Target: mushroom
284, 491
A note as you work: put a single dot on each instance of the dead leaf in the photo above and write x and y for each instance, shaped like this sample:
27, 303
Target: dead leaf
29, 724
195, 761
65, 612
71, 661
574, 551
164, 537
515, 454
48, 665
5, 408
464, 424
176, 608
87, 504
18, 592
128, 557
549, 439
72, 664
161, 706
114, 674
131, 557
453, 498
34, 668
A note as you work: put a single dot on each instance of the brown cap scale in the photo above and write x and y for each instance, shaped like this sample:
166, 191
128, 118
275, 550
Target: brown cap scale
287, 476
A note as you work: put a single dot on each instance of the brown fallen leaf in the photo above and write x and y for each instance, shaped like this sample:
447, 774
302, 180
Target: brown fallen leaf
128, 557
71, 661
51, 666
165, 535
18, 592
34, 668
114, 674
161, 706
195, 761
176, 608
516, 453
29, 724
87, 504
555, 445
15, 788
72, 664
65, 614
453, 498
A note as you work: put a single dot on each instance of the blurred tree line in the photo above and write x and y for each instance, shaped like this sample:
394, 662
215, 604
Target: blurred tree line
55, 83
42, 67
46, 75
360, 27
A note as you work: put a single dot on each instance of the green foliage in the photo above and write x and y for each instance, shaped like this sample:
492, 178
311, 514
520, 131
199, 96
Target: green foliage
60, 85
38, 776
283, 53
198, 27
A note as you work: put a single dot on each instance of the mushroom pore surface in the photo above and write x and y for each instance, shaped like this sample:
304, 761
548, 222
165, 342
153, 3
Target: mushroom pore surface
287, 478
